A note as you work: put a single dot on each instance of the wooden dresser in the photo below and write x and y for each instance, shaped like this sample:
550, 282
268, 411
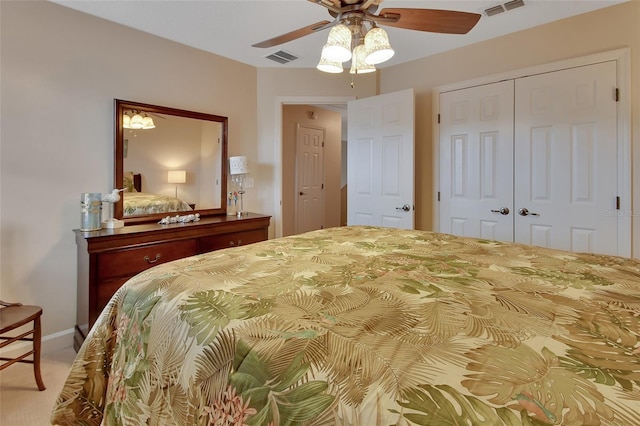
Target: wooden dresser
109, 257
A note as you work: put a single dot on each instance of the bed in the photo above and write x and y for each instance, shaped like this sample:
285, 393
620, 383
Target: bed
366, 326
136, 202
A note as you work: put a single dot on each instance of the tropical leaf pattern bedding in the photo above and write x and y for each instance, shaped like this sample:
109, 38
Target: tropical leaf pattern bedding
366, 326
141, 203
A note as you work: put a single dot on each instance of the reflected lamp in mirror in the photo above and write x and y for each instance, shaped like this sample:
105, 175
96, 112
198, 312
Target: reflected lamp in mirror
177, 176
238, 169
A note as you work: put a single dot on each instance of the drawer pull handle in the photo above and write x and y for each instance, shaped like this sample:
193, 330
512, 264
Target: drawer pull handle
146, 259
233, 244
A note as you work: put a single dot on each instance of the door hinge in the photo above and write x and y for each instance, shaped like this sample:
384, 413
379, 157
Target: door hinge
617, 203
617, 95
438, 118
438, 195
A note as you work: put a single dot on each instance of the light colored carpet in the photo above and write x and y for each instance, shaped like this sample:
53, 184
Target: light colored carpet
21, 404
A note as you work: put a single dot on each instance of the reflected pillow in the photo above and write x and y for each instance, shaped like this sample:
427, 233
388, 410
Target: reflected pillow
127, 183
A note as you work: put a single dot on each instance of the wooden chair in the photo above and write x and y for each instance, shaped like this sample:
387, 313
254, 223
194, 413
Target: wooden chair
12, 316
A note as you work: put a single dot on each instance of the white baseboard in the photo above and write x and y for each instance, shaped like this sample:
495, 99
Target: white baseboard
50, 343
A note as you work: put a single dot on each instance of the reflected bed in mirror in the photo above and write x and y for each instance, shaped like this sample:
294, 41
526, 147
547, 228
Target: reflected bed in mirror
169, 161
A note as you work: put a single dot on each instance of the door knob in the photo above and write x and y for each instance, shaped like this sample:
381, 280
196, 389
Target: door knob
405, 208
302, 193
525, 212
502, 210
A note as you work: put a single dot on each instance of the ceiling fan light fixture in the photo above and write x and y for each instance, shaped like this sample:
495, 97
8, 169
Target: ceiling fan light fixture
338, 47
378, 47
358, 64
330, 66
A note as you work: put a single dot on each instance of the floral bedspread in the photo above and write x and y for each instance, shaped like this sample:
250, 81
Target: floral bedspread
366, 326
140, 203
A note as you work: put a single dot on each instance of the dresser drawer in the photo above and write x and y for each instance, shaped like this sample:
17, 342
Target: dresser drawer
128, 262
242, 238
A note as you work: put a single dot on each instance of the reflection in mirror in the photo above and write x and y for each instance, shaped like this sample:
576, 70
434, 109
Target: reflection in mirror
169, 161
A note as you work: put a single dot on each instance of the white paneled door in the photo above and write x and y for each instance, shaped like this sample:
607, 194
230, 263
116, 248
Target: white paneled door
476, 157
545, 148
380, 166
310, 178
565, 166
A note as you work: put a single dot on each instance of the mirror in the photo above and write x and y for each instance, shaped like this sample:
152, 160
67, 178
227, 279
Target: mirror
169, 161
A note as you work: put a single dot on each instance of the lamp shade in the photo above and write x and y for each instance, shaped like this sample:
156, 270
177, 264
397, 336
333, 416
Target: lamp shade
358, 64
136, 122
378, 47
238, 165
327, 65
338, 47
147, 122
177, 176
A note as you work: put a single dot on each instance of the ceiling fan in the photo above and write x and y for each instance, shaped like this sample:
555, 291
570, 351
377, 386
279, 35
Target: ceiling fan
354, 13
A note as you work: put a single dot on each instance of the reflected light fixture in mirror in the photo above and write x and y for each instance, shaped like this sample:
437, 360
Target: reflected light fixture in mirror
137, 120
177, 176
238, 169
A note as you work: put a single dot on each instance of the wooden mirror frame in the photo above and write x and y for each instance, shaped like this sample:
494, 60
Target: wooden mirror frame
120, 107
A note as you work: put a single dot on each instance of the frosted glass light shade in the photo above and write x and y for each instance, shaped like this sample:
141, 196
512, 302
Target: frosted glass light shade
126, 121
177, 176
147, 123
136, 122
238, 165
358, 64
338, 47
377, 44
327, 65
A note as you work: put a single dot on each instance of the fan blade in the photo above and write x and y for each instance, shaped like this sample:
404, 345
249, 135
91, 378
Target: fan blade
430, 20
295, 34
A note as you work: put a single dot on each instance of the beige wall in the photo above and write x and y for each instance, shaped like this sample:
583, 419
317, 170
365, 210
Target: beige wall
331, 122
602, 30
61, 70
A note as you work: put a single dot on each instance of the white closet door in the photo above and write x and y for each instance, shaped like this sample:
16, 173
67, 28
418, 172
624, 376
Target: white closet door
565, 164
476, 161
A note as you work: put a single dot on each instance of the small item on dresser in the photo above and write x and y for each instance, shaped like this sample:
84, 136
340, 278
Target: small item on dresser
230, 211
180, 219
112, 198
90, 210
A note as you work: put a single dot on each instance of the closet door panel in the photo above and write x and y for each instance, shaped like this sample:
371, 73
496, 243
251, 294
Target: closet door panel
476, 161
565, 162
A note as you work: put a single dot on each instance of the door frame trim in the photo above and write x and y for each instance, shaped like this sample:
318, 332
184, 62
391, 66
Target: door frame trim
626, 247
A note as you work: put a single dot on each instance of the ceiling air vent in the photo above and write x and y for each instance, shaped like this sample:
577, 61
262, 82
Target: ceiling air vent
493, 10
282, 57
513, 4
510, 5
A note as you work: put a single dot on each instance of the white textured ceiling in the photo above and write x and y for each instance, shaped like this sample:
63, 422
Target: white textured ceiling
229, 28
